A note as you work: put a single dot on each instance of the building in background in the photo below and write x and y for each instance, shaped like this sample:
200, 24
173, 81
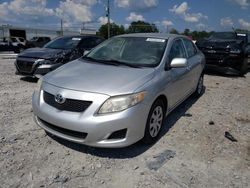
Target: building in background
28, 32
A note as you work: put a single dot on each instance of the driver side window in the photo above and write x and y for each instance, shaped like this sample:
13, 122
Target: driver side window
177, 50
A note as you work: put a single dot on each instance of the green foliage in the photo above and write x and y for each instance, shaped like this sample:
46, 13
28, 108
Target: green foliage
142, 27
196, 34
114, 30
145, 27
242, 30
174, 31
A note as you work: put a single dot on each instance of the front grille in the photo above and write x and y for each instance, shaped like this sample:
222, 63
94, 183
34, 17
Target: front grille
68, 132
215, 56
25, 66
71, 105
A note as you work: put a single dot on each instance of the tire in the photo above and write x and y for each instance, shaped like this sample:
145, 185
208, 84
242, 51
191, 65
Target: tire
21, 49
243, 68
154, 122
200, 87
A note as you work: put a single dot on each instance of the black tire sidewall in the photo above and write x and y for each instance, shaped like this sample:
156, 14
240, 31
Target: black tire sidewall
243, 68
197, 93
148, 139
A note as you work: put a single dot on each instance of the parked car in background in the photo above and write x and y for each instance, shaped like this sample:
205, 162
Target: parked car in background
35, 62
16, 44
120, 91
228, 52
38, 41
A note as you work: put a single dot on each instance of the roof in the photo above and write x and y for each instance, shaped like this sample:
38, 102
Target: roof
155, 35
78, 36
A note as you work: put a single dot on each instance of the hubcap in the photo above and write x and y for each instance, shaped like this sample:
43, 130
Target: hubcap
156, 121
200, 85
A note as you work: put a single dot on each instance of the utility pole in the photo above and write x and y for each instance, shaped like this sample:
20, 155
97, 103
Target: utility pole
62, 27
3, 31
108, 16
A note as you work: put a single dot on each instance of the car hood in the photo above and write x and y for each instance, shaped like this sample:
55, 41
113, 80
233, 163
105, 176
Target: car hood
42, 53
93, 77
218, 43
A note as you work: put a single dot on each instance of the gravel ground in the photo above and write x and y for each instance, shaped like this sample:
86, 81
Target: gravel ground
192, 150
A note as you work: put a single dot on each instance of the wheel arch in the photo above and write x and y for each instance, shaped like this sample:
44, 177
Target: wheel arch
164, 99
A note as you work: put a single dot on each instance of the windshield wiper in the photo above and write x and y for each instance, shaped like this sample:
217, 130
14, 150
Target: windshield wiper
118, 63
89, 58
99, 61
111, 62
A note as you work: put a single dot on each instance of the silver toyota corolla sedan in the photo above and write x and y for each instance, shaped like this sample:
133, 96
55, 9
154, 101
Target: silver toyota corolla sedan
121, 91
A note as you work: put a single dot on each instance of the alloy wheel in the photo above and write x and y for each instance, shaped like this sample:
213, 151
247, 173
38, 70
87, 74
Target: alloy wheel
156, 121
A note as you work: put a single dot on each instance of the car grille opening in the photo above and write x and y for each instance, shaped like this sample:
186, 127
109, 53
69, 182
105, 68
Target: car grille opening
118, 134
71, 105
76, 134
25, 66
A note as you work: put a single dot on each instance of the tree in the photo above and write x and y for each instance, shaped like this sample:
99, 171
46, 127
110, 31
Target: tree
142, 27
114, 30
174, 31
186, 32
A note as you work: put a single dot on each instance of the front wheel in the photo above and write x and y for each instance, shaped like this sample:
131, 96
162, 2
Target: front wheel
243, 69
154, 122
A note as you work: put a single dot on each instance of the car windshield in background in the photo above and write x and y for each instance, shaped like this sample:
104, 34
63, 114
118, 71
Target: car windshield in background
131, 51
223, 35
64, 43
34, 39
13, 40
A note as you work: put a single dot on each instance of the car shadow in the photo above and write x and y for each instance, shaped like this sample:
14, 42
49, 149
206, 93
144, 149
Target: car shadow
29, 79
228, 74
220, 74
137, 148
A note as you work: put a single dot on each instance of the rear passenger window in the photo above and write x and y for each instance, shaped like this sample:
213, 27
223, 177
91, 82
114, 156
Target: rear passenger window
40, 40
177, 50
87, 43
191, 50
98, 41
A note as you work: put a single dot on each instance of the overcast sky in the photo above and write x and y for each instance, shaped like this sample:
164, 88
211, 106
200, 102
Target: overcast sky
193, 14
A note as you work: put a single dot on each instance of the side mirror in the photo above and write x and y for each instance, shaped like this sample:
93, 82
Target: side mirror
85, 52
178, 63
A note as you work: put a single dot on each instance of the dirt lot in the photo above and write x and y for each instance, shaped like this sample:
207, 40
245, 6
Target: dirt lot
192, 150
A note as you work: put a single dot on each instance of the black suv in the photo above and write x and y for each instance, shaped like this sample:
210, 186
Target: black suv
35, 62
38, 41
228, 52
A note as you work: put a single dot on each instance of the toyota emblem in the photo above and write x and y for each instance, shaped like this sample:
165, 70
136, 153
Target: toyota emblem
59, 99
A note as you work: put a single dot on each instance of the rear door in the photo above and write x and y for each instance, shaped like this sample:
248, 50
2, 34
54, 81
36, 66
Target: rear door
194, 63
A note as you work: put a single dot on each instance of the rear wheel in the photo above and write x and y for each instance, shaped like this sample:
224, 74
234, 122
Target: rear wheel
154, 122
200, 86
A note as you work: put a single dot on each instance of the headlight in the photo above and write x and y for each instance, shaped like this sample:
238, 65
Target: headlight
235, 51
119, 103
43, 61
39, 85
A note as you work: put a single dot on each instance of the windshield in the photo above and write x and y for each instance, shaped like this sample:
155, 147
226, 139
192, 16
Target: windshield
64, 43
13, 40
223, 35
134, 51
34, 39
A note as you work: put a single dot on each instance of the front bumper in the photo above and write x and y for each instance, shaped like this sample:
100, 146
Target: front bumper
225, 61
95, 128
36, 69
